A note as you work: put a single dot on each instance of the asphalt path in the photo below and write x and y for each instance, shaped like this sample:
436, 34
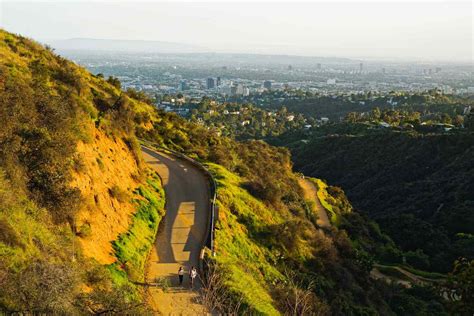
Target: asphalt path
180, 236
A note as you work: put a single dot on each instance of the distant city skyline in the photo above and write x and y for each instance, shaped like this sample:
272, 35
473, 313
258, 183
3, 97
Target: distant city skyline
421, 31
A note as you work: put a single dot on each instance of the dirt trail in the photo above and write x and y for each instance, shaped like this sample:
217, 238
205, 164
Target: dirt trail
180, 236
377, 275
311, 193
411, 278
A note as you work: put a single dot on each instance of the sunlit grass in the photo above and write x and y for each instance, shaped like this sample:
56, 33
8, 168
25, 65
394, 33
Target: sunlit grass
249, 266
131, 248
324, 198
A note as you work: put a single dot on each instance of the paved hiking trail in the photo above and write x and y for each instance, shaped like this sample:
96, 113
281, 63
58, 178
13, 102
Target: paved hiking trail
311, 194
180, 236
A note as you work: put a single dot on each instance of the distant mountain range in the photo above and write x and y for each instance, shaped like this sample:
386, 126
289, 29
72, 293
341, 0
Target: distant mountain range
73, 46
132, 46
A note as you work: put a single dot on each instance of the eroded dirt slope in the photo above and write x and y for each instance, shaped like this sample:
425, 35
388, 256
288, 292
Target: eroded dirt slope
107, 175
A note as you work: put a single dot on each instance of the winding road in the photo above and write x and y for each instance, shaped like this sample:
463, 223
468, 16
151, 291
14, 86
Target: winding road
180, 236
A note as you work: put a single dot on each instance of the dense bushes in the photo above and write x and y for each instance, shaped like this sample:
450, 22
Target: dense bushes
274, 258
42, 287
35, 272
418, 187
38, 142
267, 169
48, 105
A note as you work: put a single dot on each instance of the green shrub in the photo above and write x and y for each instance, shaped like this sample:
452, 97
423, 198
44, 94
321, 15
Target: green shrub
8, 236
79, 164
118, 193
132, 247
115, 82
100, 163
85, 230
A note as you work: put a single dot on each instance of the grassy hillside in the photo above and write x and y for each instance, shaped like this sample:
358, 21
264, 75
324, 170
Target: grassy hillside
77, 212
248, 265
273, 261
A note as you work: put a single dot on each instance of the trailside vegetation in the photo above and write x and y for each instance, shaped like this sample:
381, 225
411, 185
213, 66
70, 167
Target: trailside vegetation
272, 260
132, 248
47, 105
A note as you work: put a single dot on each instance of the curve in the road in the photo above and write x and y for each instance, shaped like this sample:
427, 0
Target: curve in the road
181, 234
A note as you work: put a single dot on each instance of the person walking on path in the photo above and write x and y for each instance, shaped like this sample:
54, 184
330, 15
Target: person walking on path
192, 276
181, 275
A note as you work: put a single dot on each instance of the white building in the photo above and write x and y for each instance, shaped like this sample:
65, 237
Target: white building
240, 89
324, 120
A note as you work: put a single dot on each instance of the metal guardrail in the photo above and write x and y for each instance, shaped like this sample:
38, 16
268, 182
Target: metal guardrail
210, 234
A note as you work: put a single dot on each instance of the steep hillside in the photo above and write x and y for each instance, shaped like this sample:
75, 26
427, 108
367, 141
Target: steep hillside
274, 261
73, 186
106, 175
418, 187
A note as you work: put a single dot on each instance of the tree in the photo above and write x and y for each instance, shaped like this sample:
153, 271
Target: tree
296, 297
115, 82
42, 287
215, 295
458, 120
469, 122
460, 287
376, 114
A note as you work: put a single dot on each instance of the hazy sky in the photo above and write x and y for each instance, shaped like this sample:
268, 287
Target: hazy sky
426, 30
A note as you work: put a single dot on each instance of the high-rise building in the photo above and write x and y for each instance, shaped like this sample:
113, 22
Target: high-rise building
210, 83
267, 84
218, 81
361, 67
290, 67
240, 89
318, 66
438, 69
183, 85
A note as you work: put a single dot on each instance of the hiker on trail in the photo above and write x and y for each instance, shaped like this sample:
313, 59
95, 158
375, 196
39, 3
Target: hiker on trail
181, 275
192, 275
